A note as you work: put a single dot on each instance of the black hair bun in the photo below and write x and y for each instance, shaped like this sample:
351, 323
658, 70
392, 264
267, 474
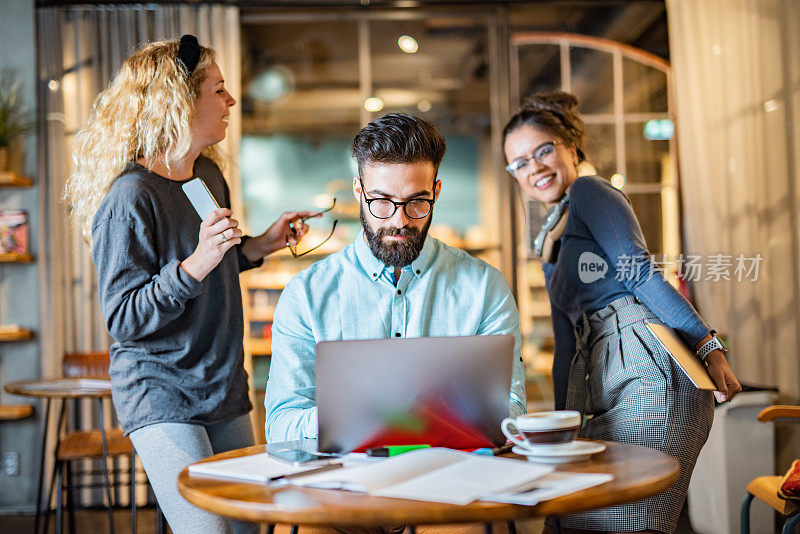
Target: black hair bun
557, 102
188, 53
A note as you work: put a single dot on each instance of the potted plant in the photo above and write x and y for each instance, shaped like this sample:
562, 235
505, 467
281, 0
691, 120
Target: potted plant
14, 120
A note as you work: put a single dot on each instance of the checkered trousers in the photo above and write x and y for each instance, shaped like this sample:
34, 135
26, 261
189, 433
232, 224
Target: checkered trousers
635, 393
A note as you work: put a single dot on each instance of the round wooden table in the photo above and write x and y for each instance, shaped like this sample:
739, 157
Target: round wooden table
638, 473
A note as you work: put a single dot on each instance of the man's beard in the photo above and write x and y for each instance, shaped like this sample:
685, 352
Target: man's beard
398, 254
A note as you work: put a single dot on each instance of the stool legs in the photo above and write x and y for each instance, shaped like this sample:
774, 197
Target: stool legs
745, 514
106, 483
791, 522
132, 487
40, 488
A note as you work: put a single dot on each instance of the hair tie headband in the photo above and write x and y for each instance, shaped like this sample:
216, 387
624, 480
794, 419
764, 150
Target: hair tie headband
188, 54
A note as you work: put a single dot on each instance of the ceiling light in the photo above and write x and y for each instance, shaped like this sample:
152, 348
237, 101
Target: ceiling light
424, 106
617, 180
373, 104
273, 83
407, 44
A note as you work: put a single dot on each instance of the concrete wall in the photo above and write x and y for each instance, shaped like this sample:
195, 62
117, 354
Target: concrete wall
19, 283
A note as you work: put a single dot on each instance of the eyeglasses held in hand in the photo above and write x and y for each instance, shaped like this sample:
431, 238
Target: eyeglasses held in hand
292, 244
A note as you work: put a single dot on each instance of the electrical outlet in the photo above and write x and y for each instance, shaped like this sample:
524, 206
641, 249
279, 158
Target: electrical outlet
11, 463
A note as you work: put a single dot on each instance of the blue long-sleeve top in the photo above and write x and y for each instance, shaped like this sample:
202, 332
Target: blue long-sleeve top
602, 229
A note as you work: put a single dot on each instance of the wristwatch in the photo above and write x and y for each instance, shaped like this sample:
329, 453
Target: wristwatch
712, 344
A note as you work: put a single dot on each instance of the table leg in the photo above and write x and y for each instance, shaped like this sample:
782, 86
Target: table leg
39, 496
105, 464
62, 417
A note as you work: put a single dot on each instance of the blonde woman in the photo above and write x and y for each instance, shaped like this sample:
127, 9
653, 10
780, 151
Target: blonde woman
168, 282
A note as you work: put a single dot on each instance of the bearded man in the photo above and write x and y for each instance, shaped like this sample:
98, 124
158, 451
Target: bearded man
393, 281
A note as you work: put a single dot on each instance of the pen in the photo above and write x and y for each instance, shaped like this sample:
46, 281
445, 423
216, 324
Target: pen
328, 467
393, 450
495, 451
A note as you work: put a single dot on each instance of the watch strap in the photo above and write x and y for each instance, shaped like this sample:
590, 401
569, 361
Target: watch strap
711, 345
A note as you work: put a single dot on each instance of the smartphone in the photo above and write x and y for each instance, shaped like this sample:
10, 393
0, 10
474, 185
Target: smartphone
298, 456
200, 197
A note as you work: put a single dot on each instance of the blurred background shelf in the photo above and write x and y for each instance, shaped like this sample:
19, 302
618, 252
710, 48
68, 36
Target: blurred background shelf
12, 179
13, 412
13, 257
21, 334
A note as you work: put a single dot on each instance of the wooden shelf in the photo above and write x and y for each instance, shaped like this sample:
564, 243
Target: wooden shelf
259, 316
13, 257
12, 179
17, 335
13, 412
259, 346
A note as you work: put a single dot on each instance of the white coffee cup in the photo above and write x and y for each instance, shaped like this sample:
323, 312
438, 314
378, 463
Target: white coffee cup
539, 430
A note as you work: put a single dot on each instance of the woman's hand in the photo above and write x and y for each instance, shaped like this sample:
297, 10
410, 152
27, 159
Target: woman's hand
727, 384
218, 233
289, 228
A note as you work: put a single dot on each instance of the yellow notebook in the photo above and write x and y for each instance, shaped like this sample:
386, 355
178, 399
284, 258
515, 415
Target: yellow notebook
686, 359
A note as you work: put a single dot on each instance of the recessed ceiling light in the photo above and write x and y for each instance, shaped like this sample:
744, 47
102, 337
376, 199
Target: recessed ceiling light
424, 106
407, 44
373, 104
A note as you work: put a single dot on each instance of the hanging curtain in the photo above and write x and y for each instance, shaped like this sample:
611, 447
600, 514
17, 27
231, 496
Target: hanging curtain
80, 49
736, 67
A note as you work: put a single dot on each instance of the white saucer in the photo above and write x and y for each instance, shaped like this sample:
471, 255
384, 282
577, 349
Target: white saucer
575, 451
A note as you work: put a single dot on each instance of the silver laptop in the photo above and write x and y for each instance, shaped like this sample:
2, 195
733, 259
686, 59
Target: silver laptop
441, 391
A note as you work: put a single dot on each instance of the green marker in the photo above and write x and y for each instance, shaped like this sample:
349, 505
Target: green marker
393, 450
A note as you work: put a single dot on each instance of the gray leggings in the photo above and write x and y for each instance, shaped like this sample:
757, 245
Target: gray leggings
166, 448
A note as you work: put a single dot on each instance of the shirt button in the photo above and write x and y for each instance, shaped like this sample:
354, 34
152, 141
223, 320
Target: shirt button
374, 274
418, 271
399, 292
397, 334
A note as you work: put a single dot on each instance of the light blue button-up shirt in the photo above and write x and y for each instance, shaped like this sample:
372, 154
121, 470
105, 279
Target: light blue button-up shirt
351, 295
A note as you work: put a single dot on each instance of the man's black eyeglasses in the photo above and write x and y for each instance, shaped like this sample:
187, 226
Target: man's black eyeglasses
384, 208
292, 245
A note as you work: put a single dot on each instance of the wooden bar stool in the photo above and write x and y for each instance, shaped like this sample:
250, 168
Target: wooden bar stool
94, 444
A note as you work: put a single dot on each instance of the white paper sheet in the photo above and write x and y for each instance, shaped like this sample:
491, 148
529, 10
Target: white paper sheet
438, 475
550, 486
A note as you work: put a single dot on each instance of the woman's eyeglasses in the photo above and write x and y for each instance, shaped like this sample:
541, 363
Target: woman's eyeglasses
544, 155
292, 244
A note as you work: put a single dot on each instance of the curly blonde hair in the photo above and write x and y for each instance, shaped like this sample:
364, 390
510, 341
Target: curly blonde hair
146, 112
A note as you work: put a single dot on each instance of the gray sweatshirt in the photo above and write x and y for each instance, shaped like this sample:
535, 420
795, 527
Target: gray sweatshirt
178, 355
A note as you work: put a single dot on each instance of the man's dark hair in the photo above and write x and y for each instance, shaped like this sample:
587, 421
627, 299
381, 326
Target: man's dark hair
398, 138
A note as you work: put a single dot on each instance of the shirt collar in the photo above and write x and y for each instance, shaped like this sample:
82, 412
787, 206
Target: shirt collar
374, 267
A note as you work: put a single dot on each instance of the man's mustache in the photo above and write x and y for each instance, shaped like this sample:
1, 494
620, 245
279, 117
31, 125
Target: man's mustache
405, 231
